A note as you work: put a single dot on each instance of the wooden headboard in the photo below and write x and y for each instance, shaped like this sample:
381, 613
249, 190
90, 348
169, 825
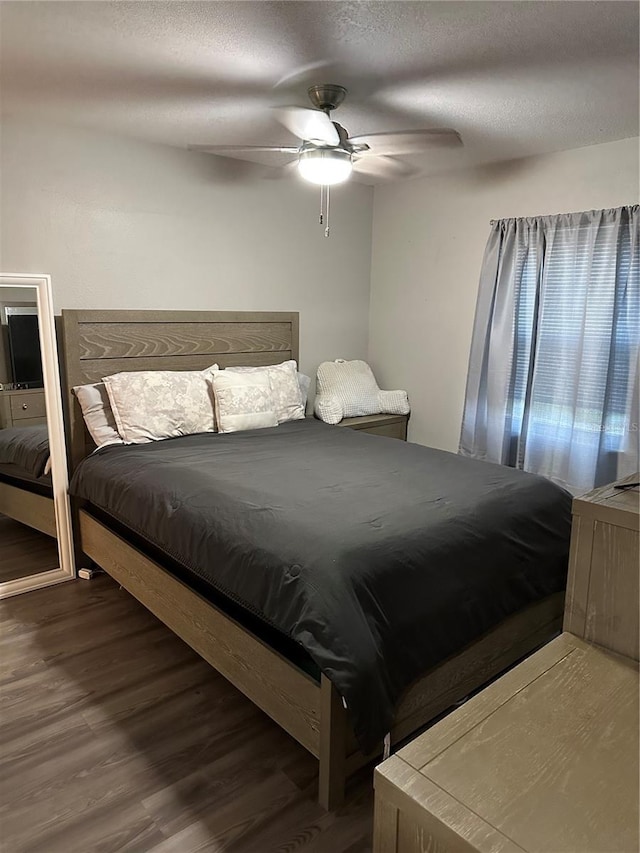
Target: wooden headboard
99, 343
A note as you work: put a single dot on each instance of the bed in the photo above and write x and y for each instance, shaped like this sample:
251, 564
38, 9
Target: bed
26, 493
267, 596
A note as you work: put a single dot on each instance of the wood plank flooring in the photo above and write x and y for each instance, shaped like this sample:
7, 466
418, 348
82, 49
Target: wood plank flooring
24, 551
115, 736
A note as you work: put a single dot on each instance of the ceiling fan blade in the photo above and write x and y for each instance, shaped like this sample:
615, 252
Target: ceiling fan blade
408, 141
248, 149
310, 125
304, 72
279, 172
382, 167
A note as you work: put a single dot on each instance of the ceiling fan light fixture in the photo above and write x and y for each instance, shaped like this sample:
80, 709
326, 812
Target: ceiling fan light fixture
325, 166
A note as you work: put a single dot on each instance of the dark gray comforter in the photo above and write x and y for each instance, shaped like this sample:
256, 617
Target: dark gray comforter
25, 447
380, 558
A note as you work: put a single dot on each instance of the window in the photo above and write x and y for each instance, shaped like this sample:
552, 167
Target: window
574, 296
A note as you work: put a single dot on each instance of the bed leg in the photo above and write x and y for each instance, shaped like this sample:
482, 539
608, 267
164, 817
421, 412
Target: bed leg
333, 746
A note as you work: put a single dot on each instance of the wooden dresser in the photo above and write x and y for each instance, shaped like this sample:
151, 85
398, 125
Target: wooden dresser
602, 588
22, 408
545, 759
393, 426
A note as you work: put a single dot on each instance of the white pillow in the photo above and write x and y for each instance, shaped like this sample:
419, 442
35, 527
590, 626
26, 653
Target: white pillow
243, 400
152, 404
284, 387
348, 389
304, 382
97, 413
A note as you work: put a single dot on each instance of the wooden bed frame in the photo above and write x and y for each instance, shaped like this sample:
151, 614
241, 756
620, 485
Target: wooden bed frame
30, 508
98, 343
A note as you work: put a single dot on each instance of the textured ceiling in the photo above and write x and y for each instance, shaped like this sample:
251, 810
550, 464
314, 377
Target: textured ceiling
514, 78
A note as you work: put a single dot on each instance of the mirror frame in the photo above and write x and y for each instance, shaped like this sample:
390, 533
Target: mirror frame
57, 447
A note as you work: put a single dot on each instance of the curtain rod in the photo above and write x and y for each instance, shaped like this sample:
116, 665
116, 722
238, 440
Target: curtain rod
628, 207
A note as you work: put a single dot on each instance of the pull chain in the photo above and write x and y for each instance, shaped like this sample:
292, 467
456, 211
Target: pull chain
324, 208
326, 230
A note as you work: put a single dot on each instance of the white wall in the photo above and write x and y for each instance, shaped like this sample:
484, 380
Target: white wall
125, 224
428, 242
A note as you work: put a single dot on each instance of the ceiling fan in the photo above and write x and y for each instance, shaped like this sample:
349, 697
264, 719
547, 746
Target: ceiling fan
327, 154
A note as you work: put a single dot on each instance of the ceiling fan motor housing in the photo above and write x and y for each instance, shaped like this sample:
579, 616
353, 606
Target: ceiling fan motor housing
327, 96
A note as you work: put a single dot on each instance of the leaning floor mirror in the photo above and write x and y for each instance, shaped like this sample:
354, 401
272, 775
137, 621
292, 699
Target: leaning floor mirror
35, 523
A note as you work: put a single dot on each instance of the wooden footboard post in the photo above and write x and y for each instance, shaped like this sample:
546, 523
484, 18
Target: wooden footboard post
333, 746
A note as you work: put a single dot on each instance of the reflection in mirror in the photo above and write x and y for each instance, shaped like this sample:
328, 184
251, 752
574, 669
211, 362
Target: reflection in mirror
24, 550
28, 543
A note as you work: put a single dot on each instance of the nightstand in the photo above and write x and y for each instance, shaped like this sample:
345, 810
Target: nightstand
392, 426
22, 408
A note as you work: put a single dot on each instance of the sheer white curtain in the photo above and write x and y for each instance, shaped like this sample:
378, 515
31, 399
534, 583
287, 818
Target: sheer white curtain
553, 373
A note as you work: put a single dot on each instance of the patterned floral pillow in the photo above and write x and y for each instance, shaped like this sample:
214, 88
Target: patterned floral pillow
152, 404
285, 388
243, 401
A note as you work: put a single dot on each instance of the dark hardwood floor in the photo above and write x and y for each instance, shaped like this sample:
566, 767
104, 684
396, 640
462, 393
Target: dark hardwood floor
115, 736
24, 551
